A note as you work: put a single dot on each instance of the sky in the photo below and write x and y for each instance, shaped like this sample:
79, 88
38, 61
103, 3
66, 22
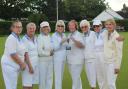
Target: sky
117, 4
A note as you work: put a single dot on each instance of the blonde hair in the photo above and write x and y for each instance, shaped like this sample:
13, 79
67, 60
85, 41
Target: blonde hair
60, 22
75, 22
30, 24
112, 21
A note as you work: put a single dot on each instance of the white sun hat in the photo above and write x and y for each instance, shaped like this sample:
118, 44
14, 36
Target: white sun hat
97, 22
44, 24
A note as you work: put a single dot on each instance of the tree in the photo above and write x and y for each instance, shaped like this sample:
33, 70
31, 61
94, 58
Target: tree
13, 8
68, 9
124, 11
94, 7
78, 9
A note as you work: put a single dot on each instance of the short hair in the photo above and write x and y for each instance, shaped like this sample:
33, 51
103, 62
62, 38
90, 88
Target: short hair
112, 21
84, 22
75, 22
30, 24
14, 22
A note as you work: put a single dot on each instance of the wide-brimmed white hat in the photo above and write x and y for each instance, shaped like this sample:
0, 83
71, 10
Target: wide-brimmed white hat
97, 22
44, 24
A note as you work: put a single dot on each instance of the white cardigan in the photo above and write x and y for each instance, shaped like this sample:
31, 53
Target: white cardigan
59, 49
113, 49
44, 46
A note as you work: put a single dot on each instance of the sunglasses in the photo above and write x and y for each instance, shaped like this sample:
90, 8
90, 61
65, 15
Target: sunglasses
19, 27
96, 26
60, 26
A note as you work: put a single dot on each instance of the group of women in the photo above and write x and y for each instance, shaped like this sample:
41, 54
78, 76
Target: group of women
37, 58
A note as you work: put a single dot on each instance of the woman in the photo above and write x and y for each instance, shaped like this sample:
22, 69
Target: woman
30, 41
45, 52
112, 52
99, 50
75, 55
59, 45
90, 57
13, 58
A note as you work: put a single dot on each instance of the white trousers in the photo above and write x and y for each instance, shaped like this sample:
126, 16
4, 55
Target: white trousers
45, 74
10, 75
110, 75
75, 71
91, 73
100, 70
58, 72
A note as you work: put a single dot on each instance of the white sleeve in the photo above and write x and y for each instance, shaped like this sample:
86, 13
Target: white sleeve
80, 38
11, 45
94, 37
25, 42
118, 56
55, 43
41, 51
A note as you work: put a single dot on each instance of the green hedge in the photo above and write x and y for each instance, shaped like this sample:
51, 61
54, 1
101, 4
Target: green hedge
5, 26
123, 23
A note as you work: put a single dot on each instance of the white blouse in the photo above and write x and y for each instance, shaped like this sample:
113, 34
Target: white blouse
13, 45
89, 42
31, 46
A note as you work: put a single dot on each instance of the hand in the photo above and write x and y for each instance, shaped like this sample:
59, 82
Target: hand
120, 38
31, 70
117, 71
77, 43
72, 39
23, 66
51, 53
63, 40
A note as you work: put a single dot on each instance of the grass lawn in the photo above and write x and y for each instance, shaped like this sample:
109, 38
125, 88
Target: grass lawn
122, 80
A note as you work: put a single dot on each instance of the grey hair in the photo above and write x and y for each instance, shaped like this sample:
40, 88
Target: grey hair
30, 24
84, 22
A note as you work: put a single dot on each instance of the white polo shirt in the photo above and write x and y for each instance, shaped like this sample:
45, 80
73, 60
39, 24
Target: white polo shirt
75, 55
99, 42
13, 45
31, 46
89, 42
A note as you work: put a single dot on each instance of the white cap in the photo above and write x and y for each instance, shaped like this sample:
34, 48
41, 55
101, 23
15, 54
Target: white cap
84, 22
97, 22
44, 24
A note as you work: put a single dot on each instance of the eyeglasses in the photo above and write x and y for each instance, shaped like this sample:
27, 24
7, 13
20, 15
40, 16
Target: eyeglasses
96, 26
60, 26
17, 27
84, 27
